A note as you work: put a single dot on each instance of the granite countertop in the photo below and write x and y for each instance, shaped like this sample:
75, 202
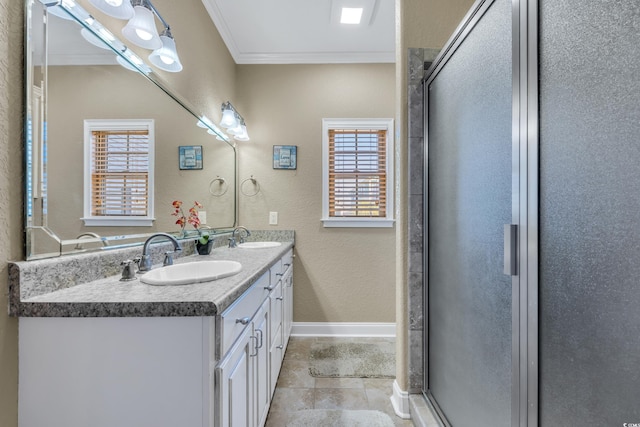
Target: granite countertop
110, 297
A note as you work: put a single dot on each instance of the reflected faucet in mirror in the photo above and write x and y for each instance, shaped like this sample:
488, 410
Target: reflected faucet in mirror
89, 235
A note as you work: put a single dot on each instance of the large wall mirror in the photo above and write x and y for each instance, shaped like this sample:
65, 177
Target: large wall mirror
75, 79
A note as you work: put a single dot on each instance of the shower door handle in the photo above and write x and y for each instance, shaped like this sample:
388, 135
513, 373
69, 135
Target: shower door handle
510, 249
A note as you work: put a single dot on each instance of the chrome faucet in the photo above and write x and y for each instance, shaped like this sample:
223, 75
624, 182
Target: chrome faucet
239, 230
145, 261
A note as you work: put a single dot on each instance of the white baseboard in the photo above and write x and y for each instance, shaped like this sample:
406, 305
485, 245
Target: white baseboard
400, 402
343, 329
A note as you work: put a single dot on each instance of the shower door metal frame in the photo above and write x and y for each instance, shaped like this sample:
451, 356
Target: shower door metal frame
525, 178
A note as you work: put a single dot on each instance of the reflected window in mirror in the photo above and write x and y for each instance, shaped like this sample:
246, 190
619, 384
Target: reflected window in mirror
118, 172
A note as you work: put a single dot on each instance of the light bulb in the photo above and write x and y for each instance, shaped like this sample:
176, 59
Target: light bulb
166, 59
144, 35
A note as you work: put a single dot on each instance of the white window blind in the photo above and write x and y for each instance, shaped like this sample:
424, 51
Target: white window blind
119, 172
357, 173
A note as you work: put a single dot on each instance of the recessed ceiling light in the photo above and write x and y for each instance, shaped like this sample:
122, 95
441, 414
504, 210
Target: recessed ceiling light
351, 15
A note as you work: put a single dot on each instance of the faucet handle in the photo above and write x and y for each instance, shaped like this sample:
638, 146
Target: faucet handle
232, 242
128, 272
168, 258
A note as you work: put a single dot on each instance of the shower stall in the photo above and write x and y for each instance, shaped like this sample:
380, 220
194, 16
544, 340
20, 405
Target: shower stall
532, 216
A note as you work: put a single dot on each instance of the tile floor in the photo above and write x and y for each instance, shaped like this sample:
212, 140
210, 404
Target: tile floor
297, 390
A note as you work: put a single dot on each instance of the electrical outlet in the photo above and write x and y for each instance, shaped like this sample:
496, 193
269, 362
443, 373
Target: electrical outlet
203, 217
273, 218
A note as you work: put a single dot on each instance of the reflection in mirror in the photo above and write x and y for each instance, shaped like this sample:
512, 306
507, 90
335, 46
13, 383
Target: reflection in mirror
73, 80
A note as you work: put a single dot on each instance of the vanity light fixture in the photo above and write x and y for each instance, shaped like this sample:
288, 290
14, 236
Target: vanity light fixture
233, 122
166, 57
229, 116
141, 29
120, 9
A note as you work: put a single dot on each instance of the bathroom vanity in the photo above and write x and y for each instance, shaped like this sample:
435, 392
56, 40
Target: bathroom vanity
107, 352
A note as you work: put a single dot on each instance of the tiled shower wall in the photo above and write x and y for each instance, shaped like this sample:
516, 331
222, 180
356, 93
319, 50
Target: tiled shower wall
419, 60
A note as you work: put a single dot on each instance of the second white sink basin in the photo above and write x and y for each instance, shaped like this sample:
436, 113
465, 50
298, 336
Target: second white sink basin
191, 272
258, 245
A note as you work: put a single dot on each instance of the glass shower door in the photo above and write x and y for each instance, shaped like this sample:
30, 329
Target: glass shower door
469, 182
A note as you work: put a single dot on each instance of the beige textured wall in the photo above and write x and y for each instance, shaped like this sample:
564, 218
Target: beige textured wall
341, 274
10, 196
419, 24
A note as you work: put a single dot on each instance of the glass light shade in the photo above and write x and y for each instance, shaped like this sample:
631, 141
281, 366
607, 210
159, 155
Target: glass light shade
141, 29
243, 136
120, 9
229, 119
94, 40
166, 58
237, 130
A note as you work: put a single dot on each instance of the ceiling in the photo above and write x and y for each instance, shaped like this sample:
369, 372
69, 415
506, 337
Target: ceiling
304, 31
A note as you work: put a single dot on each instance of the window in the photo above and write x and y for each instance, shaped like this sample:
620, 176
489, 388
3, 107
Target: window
357, 172
118, 172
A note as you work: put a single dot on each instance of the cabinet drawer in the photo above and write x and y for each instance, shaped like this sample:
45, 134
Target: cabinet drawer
287, 260
235, 318
276, 272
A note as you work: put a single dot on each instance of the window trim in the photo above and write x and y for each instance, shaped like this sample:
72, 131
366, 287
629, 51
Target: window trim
377, 124
110, 125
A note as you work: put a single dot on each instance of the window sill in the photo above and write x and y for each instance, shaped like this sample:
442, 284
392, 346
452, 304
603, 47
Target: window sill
118, 222
357, 223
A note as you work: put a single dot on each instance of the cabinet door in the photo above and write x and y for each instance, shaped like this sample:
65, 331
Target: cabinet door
276, 354
287, 317
235, 376
276, 299
262, 384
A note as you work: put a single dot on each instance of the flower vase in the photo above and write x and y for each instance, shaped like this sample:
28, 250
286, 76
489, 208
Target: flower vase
204, 249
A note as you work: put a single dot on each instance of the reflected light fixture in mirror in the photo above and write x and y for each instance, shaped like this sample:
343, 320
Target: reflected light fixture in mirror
120, 9
141, 29
212, 129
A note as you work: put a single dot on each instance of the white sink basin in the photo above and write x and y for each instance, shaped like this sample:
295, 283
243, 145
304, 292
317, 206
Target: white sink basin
259, 245
191, 272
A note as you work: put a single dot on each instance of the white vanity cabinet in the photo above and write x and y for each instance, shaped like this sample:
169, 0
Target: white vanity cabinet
162, 371
252, 346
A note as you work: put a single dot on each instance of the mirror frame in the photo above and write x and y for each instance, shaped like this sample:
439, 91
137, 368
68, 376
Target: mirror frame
78, 14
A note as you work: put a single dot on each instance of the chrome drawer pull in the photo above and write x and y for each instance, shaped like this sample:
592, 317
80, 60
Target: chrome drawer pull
261, 340
268, 288
256, 347
244, 320
279, 298
280, 347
